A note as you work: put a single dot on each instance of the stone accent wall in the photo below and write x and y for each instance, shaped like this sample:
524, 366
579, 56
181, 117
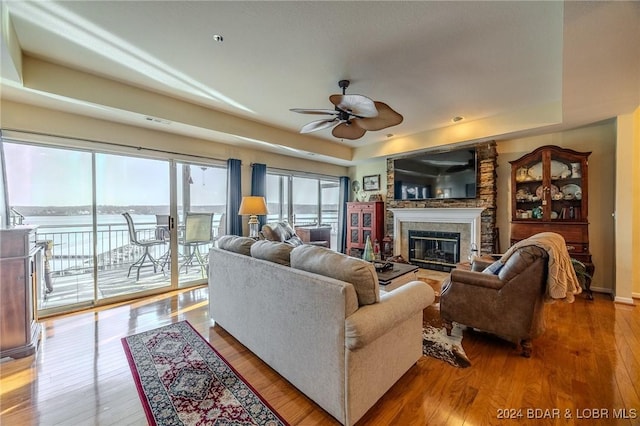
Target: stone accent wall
487, 190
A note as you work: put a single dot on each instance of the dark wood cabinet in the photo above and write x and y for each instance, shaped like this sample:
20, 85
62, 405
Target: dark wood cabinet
21, 268
550, 193
318, 235
364, 219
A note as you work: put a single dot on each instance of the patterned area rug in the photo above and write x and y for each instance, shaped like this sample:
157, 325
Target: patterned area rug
436, 343
182, 380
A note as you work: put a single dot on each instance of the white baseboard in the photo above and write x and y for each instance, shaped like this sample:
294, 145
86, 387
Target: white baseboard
624, 300
617, 299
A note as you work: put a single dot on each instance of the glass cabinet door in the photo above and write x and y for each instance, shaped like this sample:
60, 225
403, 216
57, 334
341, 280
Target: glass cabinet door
565, 182
529, 189
548, 186
367, 220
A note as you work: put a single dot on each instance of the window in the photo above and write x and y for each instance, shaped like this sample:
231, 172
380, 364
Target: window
78, 196
302, 199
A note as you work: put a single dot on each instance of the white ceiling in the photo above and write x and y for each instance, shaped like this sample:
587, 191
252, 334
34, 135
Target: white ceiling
557, 64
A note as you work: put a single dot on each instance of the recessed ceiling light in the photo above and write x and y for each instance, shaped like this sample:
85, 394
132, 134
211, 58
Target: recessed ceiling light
218, 38
457, 118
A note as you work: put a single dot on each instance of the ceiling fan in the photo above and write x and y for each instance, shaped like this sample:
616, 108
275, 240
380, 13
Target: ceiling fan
353, 115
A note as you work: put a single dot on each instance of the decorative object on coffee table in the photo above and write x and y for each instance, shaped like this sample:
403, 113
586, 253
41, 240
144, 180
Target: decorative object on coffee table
181, 379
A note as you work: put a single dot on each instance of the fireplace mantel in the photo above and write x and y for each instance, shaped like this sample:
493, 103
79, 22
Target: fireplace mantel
471, 216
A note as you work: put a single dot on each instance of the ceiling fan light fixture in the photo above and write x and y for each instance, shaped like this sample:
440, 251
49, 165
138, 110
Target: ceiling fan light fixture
354, 115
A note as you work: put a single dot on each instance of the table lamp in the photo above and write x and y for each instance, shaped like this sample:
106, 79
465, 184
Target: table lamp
253, 206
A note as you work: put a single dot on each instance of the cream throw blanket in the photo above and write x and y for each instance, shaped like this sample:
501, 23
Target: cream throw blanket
562, 282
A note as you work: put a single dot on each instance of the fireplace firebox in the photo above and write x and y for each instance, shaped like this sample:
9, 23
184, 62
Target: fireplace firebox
439, 251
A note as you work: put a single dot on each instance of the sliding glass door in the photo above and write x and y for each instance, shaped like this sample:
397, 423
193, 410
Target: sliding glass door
114, 226
52, 189
201, 206
133, 238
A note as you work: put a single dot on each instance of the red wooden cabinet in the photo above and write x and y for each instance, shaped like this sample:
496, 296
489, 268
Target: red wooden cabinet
364, 219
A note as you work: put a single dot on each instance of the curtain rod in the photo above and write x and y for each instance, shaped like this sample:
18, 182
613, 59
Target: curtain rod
119, 145
297, 173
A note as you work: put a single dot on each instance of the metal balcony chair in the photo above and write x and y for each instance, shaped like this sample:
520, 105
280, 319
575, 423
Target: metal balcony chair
198, 231
163, 233
146, 259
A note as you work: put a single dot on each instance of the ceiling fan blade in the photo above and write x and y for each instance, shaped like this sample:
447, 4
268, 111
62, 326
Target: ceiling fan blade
318, 125
314, 111
387, 117
357, 105
348, 131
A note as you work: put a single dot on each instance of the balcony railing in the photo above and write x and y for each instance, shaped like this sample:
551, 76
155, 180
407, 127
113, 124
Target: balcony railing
71, 246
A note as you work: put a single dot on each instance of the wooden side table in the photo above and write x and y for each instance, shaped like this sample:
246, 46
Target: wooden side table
314, 234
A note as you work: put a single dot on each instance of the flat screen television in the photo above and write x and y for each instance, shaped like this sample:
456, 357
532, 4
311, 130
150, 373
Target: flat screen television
442, 174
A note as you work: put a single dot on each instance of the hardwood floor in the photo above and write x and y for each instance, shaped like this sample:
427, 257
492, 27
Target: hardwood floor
588, 361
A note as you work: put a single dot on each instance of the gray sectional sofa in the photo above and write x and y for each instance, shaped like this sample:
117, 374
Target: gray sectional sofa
320, 322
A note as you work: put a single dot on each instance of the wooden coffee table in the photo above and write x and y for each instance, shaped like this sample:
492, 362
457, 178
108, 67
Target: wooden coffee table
401, 274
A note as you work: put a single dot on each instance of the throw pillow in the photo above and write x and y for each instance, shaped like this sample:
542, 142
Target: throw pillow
323, 261
272, 251
494, 268
294, 241
236, 244
269, 234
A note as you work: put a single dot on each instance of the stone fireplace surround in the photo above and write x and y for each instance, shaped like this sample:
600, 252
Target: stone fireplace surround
475, 219
466, 221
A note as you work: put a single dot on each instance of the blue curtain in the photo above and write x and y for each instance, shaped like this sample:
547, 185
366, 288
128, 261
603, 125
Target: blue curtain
259, 185
234, 196
343, 197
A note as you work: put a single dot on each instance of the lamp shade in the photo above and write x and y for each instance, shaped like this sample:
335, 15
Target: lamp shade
253, 206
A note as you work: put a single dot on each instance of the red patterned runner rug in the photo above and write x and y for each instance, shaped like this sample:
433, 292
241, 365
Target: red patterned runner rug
183, 380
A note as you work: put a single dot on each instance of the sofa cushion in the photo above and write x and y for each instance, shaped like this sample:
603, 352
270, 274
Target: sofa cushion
236, 244
272, 251
323, 261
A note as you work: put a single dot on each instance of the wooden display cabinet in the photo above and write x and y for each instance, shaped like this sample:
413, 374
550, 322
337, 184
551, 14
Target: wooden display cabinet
364, 219
550, 193
21, 268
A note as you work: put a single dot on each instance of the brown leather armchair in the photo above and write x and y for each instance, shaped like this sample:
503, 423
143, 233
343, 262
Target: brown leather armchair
509, 303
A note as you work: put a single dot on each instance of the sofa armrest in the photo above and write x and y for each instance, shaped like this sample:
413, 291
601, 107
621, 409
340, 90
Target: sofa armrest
478, 279
372, 321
